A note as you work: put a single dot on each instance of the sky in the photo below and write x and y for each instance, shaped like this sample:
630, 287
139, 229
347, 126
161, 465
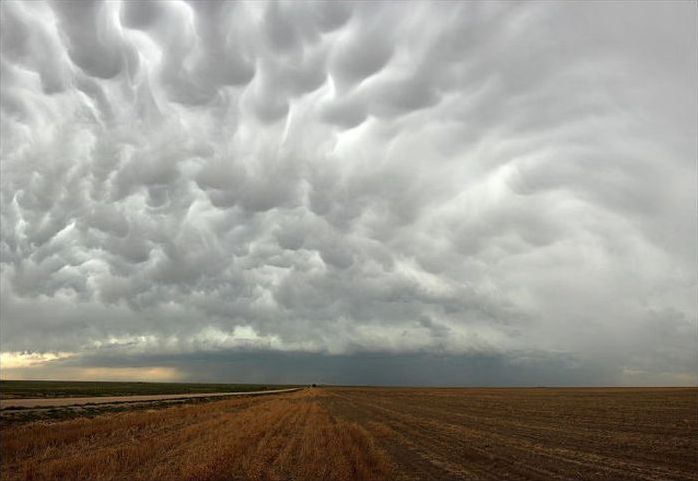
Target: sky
396, 193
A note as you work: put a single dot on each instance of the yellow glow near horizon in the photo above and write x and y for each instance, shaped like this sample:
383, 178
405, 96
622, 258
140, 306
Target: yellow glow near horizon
24, 365
154, 373
16, 360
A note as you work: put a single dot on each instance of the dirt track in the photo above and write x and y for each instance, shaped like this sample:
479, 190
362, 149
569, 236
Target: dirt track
77, 401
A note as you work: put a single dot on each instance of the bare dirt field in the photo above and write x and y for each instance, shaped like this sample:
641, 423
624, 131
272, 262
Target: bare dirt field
374, 433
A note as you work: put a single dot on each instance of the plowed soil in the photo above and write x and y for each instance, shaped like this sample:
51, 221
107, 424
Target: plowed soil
375, 433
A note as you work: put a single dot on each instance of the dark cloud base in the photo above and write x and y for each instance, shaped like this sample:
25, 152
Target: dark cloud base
378, 369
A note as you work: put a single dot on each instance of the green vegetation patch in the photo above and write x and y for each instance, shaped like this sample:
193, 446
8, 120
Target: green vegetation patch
51, 389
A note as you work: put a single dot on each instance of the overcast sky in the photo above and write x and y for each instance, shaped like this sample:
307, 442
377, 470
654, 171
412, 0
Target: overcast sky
358, 192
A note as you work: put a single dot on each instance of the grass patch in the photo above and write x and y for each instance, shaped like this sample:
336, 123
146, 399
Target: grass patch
51, 389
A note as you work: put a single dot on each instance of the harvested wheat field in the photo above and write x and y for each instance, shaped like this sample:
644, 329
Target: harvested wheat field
375, 433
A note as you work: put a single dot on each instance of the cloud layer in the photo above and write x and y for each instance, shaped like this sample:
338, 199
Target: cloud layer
330, 180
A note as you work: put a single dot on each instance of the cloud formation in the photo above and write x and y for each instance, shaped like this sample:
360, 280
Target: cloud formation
330, 180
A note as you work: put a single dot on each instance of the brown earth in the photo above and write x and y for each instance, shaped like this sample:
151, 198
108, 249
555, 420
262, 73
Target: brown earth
375, 433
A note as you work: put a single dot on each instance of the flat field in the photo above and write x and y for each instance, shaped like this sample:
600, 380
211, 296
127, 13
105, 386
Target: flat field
44, 389
374, 433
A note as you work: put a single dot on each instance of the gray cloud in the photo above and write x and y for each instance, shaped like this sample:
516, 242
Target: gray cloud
329, 182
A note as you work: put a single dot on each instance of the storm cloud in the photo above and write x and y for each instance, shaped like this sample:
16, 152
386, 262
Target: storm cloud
359, 192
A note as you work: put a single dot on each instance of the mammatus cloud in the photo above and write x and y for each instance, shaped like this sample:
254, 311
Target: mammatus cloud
451, 185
